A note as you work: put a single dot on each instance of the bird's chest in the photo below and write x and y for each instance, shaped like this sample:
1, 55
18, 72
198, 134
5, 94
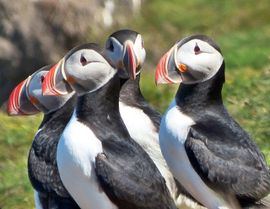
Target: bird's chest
174, 129
175, 126
78, 147
76, 153
139, 125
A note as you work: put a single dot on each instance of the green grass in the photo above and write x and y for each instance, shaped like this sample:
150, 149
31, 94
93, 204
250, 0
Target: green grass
242, 31
15, 140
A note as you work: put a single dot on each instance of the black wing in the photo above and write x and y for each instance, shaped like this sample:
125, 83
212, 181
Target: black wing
49, 201
42, 167
130, 178
224, 154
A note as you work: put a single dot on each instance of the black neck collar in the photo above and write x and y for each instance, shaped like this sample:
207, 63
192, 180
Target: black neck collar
130, 93
204, 94
99, 110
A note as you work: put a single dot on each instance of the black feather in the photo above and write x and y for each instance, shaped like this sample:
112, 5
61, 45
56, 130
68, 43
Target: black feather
42, 168
125, 172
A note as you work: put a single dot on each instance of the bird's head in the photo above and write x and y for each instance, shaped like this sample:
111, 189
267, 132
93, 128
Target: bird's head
27, 98
83, 69
125, 51
192, 60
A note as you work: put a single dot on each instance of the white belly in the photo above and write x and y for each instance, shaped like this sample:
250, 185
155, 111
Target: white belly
76, 152
173, 132
142, 130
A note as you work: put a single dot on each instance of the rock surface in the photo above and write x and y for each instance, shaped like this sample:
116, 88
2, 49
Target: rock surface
34, 33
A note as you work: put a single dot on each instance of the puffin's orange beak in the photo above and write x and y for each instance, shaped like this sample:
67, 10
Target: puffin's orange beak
19, 103
48, 85
55, 81
130, 60
162, 75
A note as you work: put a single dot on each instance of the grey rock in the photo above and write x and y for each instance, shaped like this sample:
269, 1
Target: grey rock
34, 33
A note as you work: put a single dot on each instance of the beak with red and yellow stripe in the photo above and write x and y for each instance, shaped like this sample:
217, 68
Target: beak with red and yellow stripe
130, 60
168, 70
55, 82
19, 103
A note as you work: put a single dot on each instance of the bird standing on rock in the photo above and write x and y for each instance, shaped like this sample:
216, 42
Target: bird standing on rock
27, 99
206, 149
99, 163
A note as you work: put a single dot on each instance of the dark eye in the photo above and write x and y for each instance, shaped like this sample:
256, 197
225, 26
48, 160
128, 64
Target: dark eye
83, 60
197, 49
42, 79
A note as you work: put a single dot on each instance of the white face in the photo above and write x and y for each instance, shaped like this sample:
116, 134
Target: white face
87, 70
201, 59
116, 51
139, 49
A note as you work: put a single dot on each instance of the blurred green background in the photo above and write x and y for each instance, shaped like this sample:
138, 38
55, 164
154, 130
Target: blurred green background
241, 29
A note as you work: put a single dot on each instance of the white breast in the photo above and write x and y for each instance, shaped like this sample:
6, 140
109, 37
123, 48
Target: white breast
76, 152
143, 131
173, 132
175, 124
139, 125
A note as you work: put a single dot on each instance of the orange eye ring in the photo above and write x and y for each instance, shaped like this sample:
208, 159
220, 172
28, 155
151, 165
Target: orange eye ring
182, 68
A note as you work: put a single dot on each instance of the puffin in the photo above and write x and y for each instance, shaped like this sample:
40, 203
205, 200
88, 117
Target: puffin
207, 151
27, 99
125, 51
99, 163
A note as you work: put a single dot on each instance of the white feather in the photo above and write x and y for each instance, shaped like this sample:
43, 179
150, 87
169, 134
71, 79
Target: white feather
139, 49
143, 131
207, 62
174, 129
76, 153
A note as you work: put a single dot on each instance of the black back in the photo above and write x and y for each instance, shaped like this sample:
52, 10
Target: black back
125, 172
42, 167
